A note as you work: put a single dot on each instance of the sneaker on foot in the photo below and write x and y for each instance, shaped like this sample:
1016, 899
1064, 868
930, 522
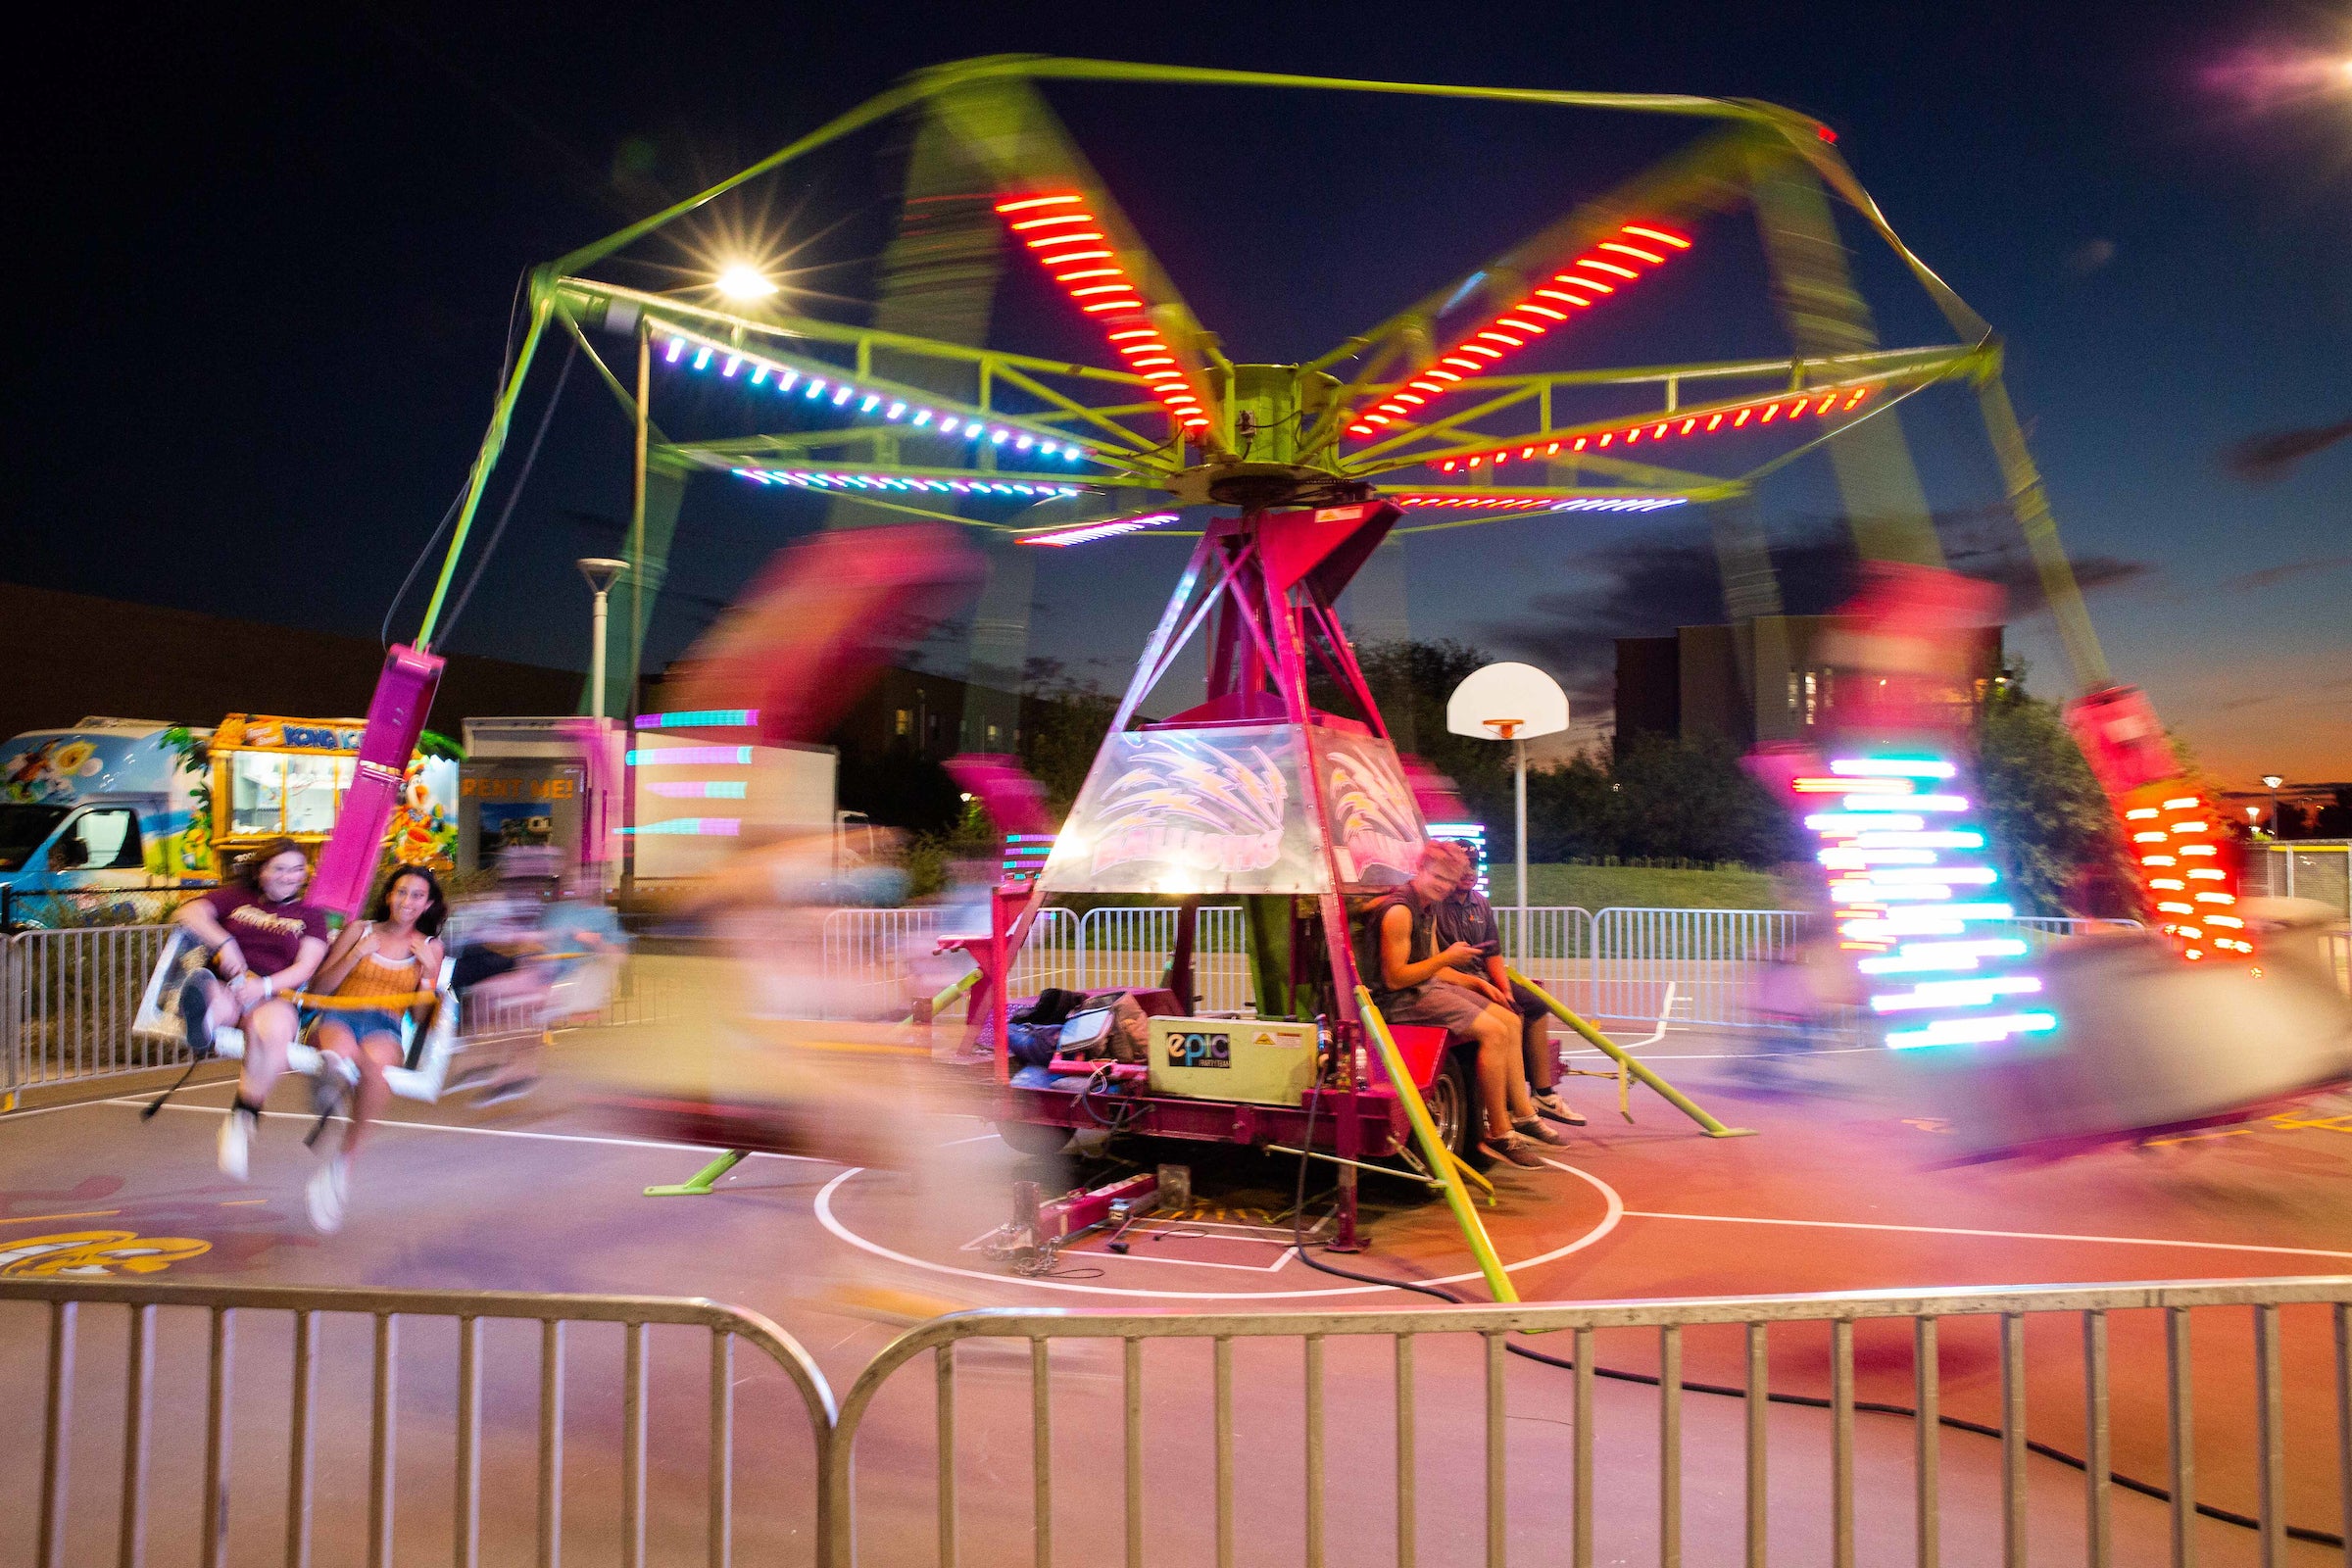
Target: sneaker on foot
328, 1193
1513, 1150
236, 1139
196, 1012
1550, 1104
1542, 1132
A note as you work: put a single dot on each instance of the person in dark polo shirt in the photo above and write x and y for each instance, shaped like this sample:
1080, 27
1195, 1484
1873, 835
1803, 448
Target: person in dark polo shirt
1464, 916
264, 944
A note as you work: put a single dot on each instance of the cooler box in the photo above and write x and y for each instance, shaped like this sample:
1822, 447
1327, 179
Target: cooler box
1251, 1059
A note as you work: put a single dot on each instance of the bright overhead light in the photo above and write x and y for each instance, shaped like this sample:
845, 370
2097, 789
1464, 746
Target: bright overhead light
744, 282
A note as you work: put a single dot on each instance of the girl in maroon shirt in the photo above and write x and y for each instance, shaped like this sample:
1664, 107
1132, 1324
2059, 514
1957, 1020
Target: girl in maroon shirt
265, 943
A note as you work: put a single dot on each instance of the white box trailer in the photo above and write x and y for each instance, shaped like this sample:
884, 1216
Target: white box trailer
695, 793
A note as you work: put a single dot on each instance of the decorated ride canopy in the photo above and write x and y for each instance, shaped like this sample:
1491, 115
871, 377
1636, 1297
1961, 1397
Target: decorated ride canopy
1254, 789
1238, 808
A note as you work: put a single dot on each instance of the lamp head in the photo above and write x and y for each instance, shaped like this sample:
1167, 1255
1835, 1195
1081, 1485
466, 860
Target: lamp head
601, 571
742, 281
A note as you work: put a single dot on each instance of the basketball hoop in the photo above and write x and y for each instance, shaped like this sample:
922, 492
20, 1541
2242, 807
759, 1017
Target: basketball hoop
1509, 688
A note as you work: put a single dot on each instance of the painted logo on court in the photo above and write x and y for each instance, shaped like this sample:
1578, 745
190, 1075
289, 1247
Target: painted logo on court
88, 1254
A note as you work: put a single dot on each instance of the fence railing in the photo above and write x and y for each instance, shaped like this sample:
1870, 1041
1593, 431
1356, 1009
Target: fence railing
67, 1001
1361, 1436
69, 995
2305, 868
93, 907
2098, 1423
396, 1423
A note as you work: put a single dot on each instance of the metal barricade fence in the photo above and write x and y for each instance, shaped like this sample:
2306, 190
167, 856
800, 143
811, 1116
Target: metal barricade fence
474, 1426
228, 1422
67, 1000
1361, 1436
67, 997
1050, 957
1689, 966
1125, 946
870, 955
1555, 951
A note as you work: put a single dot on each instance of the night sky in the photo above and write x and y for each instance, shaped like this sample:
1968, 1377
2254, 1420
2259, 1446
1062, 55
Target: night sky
264, 271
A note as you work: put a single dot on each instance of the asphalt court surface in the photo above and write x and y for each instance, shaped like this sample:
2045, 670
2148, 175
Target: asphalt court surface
1836, 1190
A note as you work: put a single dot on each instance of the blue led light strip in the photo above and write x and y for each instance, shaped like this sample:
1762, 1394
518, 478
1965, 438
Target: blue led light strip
701, 718
1914, 892
828, 389
845, 479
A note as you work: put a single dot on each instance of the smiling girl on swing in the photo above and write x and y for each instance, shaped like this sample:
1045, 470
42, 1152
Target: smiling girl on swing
393, 957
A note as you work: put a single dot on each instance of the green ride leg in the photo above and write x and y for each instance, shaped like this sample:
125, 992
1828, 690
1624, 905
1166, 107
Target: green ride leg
1616, 1053
702, 1181
1440, 1159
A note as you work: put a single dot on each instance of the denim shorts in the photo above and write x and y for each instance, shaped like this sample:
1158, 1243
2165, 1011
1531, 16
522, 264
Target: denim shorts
361, 1024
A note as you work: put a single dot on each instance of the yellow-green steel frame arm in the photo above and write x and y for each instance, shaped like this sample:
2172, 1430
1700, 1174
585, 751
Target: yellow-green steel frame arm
2031, 504
1631, 1064
1701, 179
1961, 362
1435, 1153
494, 440
785, 324
717, 457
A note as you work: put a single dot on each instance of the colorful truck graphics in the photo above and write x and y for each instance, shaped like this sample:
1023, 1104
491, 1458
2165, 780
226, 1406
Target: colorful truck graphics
110, 802
118, 804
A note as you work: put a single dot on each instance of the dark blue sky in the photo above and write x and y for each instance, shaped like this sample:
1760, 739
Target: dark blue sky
265, 271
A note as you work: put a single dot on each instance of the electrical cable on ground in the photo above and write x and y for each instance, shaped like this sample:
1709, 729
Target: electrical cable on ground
1809, 1401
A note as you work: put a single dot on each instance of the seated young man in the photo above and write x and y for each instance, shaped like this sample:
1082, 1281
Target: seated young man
1413, 981
1465, 917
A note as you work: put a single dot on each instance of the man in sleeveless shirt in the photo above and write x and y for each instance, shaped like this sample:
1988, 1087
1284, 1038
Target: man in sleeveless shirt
1464, 915
1415, 982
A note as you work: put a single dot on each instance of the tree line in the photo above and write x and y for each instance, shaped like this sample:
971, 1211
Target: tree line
1654, 798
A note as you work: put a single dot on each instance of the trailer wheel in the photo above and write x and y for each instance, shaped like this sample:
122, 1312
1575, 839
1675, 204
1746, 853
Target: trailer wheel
1035, 1140
1453, 1108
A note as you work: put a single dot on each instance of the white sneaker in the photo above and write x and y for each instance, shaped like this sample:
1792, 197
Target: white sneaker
236, 1139
329, 1192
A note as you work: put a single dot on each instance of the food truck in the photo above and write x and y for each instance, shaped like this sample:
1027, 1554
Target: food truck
275, 777
110, 805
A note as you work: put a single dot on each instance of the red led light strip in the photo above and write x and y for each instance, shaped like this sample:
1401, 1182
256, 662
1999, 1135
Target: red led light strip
1480, 503
1067, 241
2190, 879
1787, 407
1623, 258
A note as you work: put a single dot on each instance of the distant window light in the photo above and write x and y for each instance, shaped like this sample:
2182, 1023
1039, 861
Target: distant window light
906, 721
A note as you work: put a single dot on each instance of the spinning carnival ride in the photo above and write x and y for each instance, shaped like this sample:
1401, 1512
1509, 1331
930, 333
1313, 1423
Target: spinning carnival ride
1287, 477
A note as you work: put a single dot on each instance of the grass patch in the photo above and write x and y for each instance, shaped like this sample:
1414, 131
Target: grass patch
1599, 887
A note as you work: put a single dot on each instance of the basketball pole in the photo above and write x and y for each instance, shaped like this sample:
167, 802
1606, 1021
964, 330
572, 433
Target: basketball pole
1519, 836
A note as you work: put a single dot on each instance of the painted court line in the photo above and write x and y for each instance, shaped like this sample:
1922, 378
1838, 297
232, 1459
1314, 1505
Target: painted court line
2011, 1235
496, 1132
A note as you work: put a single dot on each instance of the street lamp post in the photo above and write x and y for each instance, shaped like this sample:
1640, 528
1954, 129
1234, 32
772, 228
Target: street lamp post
601, 573
2270, 782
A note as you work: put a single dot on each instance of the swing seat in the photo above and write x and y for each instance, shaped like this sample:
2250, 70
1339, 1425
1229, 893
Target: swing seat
426, 1050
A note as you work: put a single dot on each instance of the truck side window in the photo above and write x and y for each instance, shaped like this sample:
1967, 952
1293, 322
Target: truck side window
109, 838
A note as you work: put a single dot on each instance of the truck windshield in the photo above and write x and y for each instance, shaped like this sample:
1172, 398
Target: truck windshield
23, 829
